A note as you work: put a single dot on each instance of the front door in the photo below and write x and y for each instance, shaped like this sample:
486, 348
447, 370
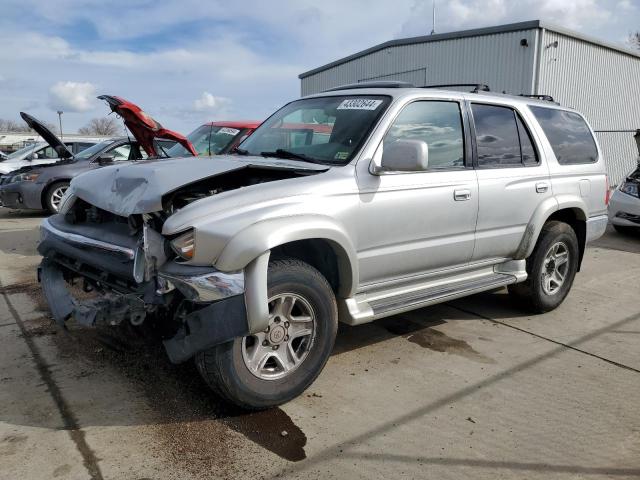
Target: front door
419, 222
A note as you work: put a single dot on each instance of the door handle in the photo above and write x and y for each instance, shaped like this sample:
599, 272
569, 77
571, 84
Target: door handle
542, 187
461, 195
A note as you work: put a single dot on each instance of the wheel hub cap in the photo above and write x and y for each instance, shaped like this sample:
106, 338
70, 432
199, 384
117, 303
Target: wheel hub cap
285, 344
556, 267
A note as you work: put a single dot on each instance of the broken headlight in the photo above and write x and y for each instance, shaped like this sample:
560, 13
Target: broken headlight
184, 245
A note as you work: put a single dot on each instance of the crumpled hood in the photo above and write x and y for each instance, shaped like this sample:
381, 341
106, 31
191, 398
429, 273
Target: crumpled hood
138, 187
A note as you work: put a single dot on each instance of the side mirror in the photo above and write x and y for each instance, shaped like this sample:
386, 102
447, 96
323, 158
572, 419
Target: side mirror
105, 159
405, 156
33, 156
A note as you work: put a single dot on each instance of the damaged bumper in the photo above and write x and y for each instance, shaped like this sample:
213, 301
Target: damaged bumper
216, 313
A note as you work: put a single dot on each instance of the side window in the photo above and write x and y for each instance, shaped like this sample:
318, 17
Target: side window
529, 156
497, 136
47, 153
437, 123
568, 134
120, 153
82, 146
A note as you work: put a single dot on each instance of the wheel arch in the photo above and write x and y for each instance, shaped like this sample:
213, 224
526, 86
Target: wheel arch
47, 187
320, 241
568, 210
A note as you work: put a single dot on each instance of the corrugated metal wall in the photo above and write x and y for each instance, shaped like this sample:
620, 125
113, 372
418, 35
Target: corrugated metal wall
497, 60
604, 85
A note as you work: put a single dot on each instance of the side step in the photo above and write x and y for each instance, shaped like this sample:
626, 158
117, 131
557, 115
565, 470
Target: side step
411, 300
368, 307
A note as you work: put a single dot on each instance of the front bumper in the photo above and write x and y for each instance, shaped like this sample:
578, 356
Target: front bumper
217, 313
21, 195
624, 210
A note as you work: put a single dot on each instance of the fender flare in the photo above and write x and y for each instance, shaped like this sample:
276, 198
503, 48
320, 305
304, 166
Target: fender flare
260, 237
547, 208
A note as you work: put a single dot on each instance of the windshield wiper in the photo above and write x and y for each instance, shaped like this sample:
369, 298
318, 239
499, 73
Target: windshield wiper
286, 154
240, 151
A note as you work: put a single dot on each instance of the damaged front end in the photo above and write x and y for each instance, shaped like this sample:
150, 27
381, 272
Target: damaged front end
101, 268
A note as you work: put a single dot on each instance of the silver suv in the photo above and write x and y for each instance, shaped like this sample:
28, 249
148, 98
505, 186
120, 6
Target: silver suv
351, 205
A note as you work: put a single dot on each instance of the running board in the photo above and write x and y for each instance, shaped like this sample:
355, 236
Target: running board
355, 311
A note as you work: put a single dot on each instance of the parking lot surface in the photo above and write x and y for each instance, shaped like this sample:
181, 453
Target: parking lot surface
471, 389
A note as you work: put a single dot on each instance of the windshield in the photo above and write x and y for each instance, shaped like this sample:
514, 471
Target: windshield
91, 151
207, 140
23, 151
326, 130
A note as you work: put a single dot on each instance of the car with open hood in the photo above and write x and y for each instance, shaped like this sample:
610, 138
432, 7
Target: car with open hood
50, 151
216, 138
624, 207
43, 186
355, 204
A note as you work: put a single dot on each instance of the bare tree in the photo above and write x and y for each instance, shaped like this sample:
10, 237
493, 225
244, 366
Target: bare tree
101, 126
634, 40
20, 127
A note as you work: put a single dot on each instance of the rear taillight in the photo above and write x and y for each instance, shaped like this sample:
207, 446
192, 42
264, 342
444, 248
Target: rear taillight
607, 195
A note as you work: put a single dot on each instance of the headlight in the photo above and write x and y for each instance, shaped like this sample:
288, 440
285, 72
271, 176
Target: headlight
184, 245
24, 177
630, 188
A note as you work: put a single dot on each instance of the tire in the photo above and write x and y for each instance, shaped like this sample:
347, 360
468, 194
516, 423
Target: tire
537, 293
51, 199
226, 367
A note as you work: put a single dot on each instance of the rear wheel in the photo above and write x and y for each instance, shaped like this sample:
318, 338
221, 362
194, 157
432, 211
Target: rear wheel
551, 268
53, 196
271, 367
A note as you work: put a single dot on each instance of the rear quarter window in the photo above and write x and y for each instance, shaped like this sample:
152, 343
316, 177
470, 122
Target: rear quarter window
568, 134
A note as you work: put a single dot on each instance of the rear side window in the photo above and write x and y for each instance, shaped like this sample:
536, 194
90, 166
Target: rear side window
502, 139
568, 134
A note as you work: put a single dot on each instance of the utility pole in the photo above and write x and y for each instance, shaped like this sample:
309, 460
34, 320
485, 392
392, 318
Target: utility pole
433, 19
60, 112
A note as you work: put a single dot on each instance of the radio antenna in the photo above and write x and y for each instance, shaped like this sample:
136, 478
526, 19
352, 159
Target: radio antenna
433, 18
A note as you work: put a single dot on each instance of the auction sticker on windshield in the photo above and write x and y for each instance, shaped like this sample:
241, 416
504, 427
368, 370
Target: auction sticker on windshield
359, 104
229, 131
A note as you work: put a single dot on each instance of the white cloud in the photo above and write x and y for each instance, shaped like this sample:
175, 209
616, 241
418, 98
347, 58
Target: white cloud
72, 96
210, 103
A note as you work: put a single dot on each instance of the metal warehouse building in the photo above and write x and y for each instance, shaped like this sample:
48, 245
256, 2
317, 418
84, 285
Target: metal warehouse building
601, 80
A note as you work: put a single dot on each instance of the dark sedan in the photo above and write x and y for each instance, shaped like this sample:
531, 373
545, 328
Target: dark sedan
43, 186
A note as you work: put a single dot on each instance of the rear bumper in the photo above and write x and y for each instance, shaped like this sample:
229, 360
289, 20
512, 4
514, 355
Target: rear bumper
596, 226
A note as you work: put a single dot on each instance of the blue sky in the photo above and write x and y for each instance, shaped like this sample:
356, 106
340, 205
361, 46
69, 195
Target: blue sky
189, 61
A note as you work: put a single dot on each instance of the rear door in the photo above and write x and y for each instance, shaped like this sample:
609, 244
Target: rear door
512, 179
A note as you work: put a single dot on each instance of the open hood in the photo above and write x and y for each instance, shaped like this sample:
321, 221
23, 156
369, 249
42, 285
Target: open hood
47, 135
143, 127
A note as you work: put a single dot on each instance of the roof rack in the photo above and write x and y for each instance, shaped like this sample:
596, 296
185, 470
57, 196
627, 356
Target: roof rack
476, 86
546, 98
380, 84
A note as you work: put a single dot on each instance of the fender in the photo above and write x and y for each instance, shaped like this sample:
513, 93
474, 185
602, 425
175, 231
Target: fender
547, 208
262, 236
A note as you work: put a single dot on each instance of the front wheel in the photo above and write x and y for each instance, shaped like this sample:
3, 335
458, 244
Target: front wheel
551, 268
53, 196
271, 367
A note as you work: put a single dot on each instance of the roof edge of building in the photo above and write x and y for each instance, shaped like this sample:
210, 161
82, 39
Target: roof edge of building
476, 32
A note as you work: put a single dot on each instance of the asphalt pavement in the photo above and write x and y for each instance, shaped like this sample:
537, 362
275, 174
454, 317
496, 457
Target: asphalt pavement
475, 389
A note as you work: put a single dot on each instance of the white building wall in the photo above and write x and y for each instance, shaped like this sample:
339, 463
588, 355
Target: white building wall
497, 60
604, 85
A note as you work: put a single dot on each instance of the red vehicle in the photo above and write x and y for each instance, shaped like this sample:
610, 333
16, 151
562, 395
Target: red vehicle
216, 138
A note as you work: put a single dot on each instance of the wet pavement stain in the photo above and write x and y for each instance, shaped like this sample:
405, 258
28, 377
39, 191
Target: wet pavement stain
428, 337
274, 430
